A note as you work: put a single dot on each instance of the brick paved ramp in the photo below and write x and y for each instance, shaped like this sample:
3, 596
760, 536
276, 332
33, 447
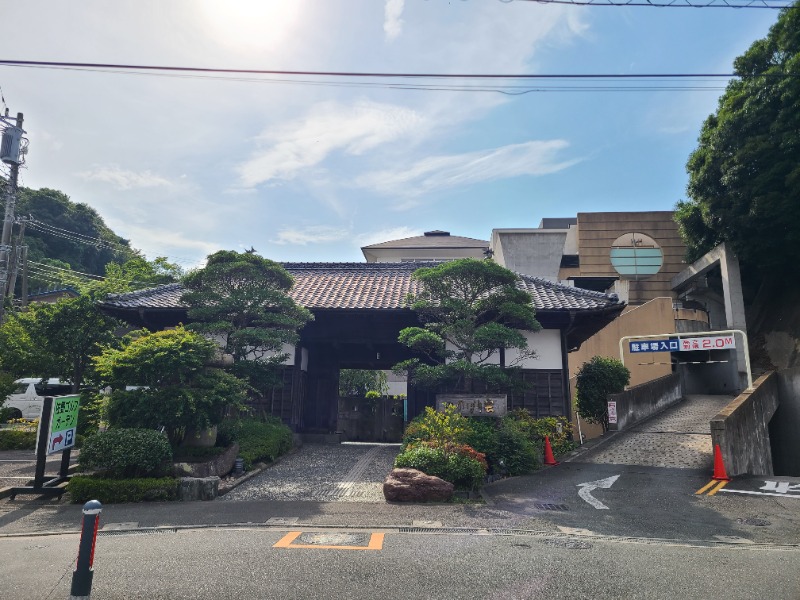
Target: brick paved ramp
325, 473
680, 437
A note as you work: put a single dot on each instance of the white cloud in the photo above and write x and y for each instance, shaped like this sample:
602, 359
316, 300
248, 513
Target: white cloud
124, 180
436, 173
313, 234
392, 21
385, 235
329, 127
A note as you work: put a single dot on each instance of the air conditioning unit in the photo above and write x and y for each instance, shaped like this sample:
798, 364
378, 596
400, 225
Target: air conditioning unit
9, 148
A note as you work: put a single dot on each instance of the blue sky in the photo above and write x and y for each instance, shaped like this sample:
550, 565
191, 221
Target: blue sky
185, 166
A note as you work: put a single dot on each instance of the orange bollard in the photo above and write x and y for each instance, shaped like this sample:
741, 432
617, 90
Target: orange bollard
719, 466
549, 459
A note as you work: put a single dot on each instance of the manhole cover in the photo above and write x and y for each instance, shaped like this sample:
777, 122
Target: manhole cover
334, 539
545, 506
569, 544
754, 522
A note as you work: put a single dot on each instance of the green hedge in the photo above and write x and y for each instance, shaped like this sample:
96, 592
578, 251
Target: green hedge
258, 440
126, 453
84, 488
14, 439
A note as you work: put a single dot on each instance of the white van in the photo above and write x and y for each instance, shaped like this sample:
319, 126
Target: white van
28, 397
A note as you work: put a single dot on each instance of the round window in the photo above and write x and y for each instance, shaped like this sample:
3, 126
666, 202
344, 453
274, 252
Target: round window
636, 256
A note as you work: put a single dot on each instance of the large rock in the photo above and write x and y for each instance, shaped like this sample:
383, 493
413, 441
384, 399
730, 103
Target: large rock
219, 466
410, 485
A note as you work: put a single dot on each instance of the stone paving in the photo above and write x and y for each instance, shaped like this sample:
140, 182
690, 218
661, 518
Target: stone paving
348, 472
678, 438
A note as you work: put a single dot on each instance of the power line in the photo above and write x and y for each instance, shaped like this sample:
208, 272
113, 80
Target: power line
769, 4
491, 76
510, 90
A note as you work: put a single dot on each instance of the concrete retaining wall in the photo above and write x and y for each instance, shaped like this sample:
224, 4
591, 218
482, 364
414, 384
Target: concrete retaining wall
644, 400
742, 429
785, 424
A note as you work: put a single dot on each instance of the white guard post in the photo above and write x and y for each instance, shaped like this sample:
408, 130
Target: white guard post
626, 338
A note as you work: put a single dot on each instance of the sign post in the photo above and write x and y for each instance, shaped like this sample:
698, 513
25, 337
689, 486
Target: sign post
57, 429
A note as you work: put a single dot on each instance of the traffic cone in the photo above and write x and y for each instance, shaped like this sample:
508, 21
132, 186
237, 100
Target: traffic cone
719, 466
549, 459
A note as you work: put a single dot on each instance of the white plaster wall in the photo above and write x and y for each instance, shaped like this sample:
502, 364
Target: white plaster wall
286, 349
547, 345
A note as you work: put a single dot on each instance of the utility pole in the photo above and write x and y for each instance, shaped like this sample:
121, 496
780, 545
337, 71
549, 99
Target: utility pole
10, 155
18, 249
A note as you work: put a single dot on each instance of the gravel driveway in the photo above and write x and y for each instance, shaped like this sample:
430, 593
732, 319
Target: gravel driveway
349, 472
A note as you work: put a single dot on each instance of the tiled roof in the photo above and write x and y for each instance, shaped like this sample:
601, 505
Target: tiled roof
432, 241
369, 286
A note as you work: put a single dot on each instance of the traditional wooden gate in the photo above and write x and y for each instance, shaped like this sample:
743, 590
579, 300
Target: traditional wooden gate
371, 419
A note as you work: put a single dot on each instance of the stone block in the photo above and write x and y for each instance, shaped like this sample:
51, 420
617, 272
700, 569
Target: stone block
411, 485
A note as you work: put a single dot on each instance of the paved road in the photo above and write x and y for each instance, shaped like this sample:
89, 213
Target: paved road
204, 563
679, 438
17, 467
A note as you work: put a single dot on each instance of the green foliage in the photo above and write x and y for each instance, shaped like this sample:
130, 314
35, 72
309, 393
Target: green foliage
597, 379
559, 430
109, 491
17, 439
459, 468
55, 340
244, 298
744, 176
258, 440
470, 310
125, 453
440, 428
517, 454
55, 208
92, 411
178, 391
358, 382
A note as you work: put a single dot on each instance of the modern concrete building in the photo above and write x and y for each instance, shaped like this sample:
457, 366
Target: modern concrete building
632, 254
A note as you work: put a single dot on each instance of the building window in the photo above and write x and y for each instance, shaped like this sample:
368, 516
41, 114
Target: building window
636, 256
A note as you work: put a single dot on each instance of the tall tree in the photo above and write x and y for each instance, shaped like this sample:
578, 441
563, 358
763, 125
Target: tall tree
744, 176
243, 300
179, 390
471, 309
56, 340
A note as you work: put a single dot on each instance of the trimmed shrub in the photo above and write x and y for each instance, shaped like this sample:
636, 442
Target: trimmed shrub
258, 440
16, 439
516, 452
446, 427
126, 453
597, 379
84, 488
557, 428
459, 466
483, 437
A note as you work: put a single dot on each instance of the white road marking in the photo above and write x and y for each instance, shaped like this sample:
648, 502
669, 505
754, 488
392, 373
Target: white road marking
760, 493
586, 490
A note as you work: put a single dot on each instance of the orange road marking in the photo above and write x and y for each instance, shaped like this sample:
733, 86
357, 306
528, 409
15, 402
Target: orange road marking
375, 543
706, 487
721, 485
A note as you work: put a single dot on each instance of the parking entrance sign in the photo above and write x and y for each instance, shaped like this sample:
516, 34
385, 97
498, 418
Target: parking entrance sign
63, 423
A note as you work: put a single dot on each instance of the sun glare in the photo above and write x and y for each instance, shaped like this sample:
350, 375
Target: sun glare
251, 24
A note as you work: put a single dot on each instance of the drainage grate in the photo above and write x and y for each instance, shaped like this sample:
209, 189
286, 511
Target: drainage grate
561, 507
569, 544
135, 532
754, 522
438, 530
